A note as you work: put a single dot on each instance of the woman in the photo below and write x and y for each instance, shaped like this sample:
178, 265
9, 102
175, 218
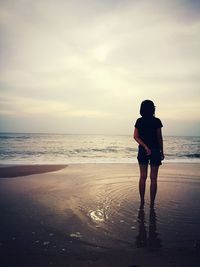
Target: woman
148, 135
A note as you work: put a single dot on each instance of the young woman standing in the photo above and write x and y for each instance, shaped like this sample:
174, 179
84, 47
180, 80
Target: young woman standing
148, 135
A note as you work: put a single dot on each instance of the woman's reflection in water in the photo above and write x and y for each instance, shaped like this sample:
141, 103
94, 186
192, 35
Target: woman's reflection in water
152, 241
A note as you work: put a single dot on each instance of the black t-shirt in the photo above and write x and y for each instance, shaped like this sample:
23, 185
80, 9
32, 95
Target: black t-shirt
147, 130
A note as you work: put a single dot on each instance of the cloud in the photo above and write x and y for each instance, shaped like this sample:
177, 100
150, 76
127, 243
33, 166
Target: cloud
28, 106
98, 59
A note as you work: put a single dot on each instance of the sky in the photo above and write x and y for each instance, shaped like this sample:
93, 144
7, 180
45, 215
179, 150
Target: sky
84, 67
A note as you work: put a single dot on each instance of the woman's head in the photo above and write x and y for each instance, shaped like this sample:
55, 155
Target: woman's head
147, 108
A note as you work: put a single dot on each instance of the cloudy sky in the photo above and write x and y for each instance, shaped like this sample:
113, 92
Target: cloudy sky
85, 66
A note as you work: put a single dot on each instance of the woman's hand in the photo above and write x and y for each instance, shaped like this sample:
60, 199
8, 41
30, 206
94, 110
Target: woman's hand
148, 150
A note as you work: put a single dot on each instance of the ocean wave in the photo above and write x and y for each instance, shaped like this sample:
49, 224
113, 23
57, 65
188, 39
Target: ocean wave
131, 149
90, 148
21, 137
195, 155
104, 150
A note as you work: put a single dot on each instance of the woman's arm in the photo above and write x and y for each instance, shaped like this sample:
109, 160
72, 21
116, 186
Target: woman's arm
140, 142
160, 141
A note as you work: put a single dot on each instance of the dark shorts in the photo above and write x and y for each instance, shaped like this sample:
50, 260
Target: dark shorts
154, 159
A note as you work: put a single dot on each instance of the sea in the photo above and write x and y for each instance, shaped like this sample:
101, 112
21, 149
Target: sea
37, 148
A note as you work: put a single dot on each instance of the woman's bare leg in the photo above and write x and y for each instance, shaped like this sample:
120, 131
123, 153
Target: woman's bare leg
153, 186
142, 182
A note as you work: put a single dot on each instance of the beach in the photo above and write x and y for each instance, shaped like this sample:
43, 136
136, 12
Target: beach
89, 215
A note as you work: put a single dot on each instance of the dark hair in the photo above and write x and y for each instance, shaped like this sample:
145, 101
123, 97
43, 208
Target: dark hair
147, 108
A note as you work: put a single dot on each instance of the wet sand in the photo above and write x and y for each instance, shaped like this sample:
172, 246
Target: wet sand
16, 171
88, 215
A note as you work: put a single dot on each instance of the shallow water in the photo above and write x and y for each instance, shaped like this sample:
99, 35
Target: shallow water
96, 208
114, 208
104, 208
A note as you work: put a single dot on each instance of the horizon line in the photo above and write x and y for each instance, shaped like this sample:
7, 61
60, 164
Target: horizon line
54, 133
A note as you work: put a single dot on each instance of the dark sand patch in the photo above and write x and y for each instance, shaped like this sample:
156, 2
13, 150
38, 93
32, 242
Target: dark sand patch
25, 170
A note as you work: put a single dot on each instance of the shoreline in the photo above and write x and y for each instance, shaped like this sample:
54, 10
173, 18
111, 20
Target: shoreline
20, 170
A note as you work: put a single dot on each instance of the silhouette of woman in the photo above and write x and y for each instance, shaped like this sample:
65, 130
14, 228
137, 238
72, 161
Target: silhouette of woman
148, 135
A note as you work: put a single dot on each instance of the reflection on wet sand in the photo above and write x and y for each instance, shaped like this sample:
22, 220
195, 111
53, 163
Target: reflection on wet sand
151, 239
